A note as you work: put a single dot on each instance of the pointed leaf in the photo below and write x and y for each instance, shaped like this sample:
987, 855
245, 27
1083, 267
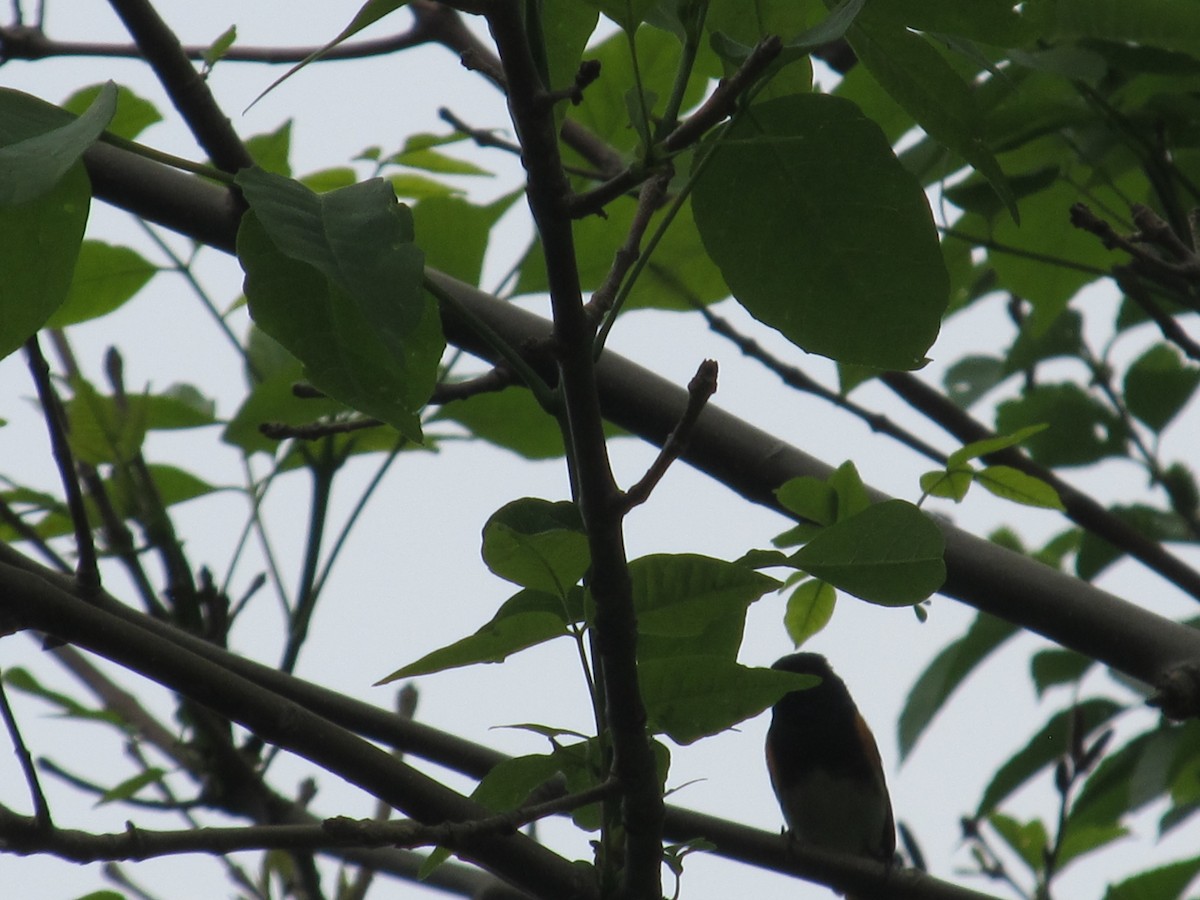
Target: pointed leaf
890, 554
537, 544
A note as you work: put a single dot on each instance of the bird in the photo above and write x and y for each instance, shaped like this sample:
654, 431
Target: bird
825, 767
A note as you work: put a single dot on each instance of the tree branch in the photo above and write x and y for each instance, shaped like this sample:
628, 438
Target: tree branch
751, 462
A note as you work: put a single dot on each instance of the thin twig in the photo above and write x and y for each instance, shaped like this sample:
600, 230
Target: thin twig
87, 571
649, 201
188, 91
702, 386
41, 809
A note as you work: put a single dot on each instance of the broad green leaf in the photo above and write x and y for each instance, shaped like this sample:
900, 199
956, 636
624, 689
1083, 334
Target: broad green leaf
821, 234
972, 377
1082, 430
511, 419
689, 605
988, 21
976, 449
1051, 742
1158, 385
1015, 485
889, 554
809, 609
952, 484
1054, 667
628, 14
945, 674
1096, 554
101, 429
1159, 23
1079, 841
1045, 231
131, 786
39, 244
1028, 840
810, 498
526, 619
603, 111
734, 34
688, 698
271, 151
454, 233
566, 26
337, 280
851, 493
1139, 773
1167, 882
1062, 337
133, 114
105, 277
537, 544
418, 153
35, 160
921, 81
273, 401
679, 275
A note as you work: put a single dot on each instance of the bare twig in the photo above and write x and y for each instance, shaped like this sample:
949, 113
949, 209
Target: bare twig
702, 386
42, 821
627, 254
87, 572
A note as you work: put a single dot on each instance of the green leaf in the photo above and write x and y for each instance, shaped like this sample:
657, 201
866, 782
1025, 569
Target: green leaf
526, 619
1054, 667
851, 493
952, 484
102, 430
1159, 23
217, 49
1027, 840
1158, 385
1167, 882
809, 498
537, 544
454, 233
1082, 840
273, 400
920, 80
1052, 742
946, 673
1096, 554
1013, 484
566, 26
809, 609
972, 377
801, 200
20, 679
271, 151
39, 243
418, 153
1082, 430
368, 14
689, 605
105, 277
130, 786
889, 554
133, 114
1139, 773
628, 14
1037, 341
336, 279
690, 697
32, 165
976, 449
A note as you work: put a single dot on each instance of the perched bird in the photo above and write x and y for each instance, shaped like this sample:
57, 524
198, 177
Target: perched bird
825, 767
